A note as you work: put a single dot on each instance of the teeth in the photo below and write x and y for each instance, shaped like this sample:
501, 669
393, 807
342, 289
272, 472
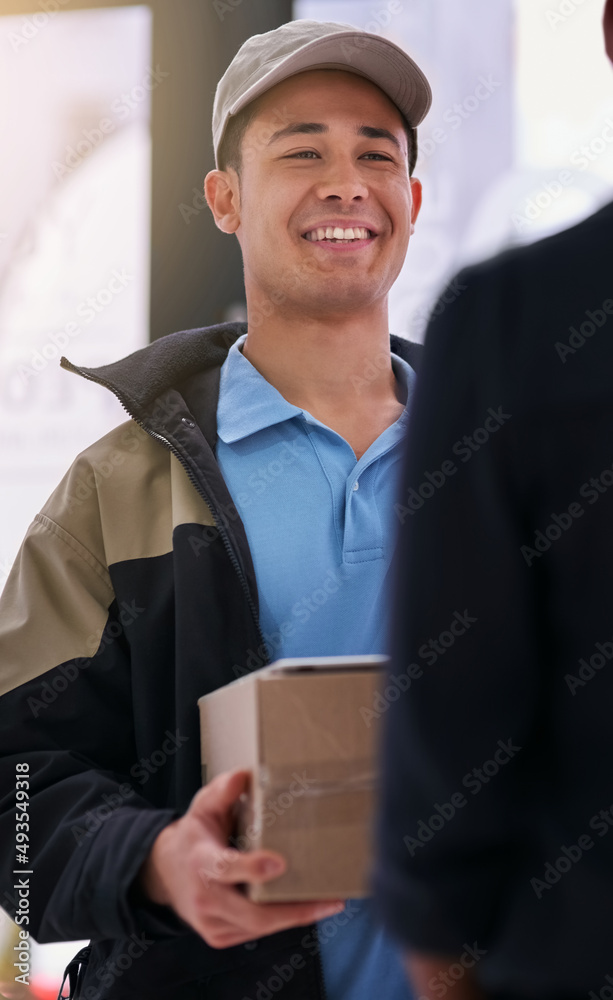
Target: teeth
337, 233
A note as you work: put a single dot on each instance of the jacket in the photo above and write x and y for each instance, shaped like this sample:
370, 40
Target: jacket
133, 594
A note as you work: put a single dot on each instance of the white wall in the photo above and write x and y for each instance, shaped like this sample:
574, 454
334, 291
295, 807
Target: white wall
74, 214
490, 163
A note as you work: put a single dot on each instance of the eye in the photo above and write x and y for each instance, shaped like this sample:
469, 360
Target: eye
310, 153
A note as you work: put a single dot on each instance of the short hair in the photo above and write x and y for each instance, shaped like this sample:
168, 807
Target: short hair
230, 148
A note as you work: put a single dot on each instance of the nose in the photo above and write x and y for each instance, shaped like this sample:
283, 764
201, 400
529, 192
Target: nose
342, 180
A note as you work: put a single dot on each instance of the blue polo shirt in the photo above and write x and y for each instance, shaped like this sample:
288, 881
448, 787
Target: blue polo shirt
321, 528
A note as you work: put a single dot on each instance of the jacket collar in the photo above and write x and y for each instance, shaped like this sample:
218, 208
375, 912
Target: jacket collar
188, 361
142, 377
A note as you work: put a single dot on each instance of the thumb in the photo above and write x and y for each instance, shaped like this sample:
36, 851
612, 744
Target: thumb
216, 799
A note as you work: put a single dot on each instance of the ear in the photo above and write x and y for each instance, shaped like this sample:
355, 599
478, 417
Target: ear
222, 194
608, 28
415, 201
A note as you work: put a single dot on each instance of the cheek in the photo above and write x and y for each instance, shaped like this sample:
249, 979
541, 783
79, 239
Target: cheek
268, 217
397, 202
283, 198
401, 219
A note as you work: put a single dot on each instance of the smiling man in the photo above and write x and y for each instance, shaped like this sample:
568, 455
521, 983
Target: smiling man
323, 212
244, 513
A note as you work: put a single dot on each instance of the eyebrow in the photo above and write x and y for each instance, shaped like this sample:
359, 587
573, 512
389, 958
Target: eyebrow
316, 128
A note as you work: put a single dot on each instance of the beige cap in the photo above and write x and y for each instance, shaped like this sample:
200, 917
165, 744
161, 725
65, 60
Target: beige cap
267, 59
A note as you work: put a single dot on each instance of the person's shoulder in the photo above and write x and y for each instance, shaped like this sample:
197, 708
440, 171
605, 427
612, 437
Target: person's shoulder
165, 363
525, 292
100, 470
522, 319
578, 248
408, 350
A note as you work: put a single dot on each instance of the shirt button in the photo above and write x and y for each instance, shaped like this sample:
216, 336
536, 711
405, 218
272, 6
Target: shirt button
356, 485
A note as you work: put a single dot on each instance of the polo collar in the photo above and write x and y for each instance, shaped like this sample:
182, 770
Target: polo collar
248, 403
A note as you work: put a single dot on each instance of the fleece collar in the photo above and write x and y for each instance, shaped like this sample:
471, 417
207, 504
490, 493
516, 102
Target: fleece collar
189, 360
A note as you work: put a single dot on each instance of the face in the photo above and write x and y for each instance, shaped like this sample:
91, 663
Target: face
326, 149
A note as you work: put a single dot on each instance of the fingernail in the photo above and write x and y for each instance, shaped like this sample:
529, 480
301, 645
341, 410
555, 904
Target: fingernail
271, 867
329, 910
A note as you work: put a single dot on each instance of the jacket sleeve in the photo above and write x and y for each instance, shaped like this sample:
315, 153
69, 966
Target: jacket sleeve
67, 735
464, 687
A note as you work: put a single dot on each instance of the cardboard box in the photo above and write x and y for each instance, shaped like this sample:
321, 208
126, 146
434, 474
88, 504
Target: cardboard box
297, 726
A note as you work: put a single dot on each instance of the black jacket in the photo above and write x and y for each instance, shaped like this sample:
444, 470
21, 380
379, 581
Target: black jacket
508, 524
133, 595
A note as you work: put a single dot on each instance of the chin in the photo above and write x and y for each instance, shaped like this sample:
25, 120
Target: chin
351, 300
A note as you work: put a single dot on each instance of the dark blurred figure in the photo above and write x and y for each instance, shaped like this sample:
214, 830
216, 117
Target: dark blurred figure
495, 867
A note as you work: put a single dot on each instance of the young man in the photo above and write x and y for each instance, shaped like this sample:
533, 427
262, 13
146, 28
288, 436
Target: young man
496, 851
258, 472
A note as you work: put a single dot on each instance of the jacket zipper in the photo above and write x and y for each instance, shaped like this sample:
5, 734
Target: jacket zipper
320, 969
222, 531
229, 550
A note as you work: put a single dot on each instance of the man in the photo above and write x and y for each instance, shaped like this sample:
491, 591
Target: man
496, 850
187, 547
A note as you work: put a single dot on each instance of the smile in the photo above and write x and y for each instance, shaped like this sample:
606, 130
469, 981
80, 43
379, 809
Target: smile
337, 235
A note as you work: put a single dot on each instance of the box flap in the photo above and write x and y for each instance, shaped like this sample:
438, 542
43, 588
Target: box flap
325, 664
313, 718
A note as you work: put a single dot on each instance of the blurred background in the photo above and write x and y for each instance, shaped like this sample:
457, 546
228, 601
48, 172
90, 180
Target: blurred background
106, 241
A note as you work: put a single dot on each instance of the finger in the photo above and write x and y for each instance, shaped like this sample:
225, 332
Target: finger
224, 939
226, 934
258, 919
214, 925
219, 932
231, 918
234, 866
213, 864
281, 916
298, 915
